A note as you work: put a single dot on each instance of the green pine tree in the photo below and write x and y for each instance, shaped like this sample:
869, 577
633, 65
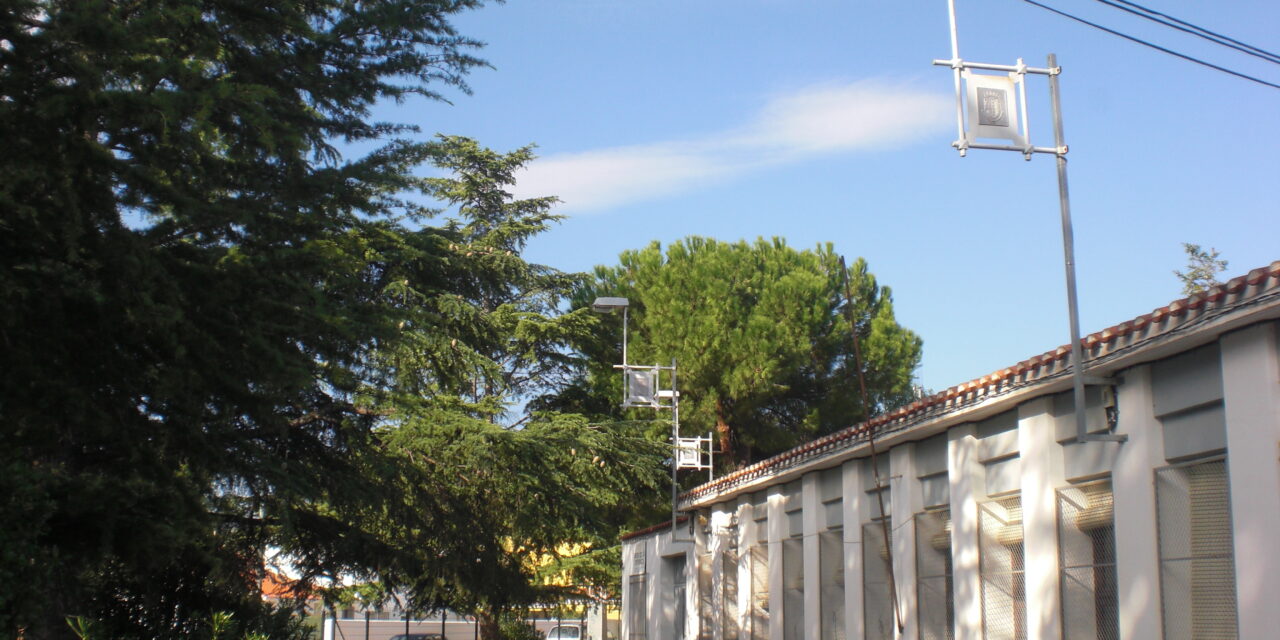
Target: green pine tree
221, 336
1203, 267
762, 342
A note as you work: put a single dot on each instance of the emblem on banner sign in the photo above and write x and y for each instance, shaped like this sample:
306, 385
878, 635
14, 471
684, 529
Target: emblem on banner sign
992, 107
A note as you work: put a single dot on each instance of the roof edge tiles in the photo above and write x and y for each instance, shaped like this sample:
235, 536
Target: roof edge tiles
653, 529
1256, 287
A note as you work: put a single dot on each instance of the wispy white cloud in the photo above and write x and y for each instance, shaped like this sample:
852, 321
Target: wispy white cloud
815, 121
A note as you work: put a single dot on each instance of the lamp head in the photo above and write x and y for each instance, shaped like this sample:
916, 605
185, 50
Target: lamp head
609, 305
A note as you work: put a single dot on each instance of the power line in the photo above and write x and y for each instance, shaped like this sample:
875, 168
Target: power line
1262, 53
1155, 46
1187, 27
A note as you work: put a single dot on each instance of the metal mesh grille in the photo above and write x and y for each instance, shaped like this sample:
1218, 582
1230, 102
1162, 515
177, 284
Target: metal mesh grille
1087, 562
831, 584
706, 609
793, 589
1004, 610
1197, 563
760, 591
636, 614
936, 612
729, 594
877, 600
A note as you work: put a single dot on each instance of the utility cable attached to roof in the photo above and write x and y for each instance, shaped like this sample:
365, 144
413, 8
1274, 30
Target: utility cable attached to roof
871, 442
1154, 46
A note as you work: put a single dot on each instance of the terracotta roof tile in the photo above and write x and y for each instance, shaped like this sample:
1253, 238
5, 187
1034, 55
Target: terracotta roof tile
1117, 337
657, 527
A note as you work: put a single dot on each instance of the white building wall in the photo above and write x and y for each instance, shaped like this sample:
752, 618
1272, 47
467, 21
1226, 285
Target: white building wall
907, 502
1042, 474
703, 535
1133, 487
812, 573
1250, 360
777, 531
854, 506
722, 516
968, 486
742, 508
1251, 386
747, 538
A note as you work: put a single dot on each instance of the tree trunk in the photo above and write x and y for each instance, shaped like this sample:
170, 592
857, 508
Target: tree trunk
488, 623
727, 452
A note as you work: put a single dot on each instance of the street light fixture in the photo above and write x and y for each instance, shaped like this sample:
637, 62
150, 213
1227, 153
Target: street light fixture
642, 388
609, 305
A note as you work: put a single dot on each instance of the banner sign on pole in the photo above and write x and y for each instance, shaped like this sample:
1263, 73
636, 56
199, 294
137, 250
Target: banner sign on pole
992, 106
642, 387
691, 455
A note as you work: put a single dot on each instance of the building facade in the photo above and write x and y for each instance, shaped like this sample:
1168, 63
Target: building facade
980, 515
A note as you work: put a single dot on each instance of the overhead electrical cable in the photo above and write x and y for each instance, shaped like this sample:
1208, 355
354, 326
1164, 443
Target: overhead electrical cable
1186, 27
1155, 46
1259, 52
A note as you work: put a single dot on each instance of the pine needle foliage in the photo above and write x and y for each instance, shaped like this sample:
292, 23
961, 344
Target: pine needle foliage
758, 330
1203, 267
221, 337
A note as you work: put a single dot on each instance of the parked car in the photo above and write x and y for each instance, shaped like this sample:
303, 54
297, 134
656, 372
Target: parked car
567, 632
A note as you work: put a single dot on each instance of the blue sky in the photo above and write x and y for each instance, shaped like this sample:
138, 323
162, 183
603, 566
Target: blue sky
824, 121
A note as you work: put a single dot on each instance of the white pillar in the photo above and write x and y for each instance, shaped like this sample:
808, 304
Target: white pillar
702, 536
853, 503
811, 516
746, 538
968, 485
1133, 488
628, 603
655, 621
1042, 474
1251, 394
906, 501
718, 541
777, 532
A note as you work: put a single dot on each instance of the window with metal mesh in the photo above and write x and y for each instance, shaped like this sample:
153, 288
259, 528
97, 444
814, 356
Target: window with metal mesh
935, 598
729, 594
831, 584
759, 618
706, 608
1000, 565
636, 617
793, 589
1197, 561
1087, 562
877, 598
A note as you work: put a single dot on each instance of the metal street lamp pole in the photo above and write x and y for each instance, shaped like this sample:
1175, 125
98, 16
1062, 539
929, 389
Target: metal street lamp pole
675, 445
651, 397
998, 116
